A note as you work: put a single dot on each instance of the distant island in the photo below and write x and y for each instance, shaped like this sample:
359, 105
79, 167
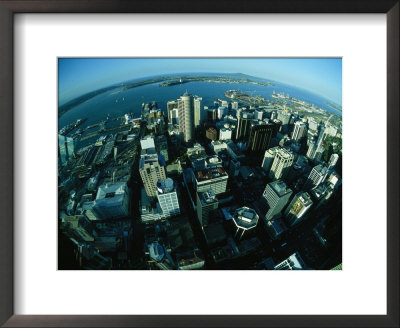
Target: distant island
165, 81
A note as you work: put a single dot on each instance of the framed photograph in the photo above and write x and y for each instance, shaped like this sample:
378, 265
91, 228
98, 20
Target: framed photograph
199, 164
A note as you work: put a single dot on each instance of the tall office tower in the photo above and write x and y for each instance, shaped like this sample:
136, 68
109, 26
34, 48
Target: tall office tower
244, 124
276, 195
282, 163
284, 117
238, 113
269, 158
261, 133
112, 201
274, 115
162, 146
198, 113
321, 131
298, 207
234, 167
312, 125
171, 105
206, 202
66, 149
225, 133
311, 150
211, 175
293, 262
245, 219
186, 116
222, 111
317, 175
259, 114
332, 161
211, 114
152, 169
167, 197
235, 105
299, 131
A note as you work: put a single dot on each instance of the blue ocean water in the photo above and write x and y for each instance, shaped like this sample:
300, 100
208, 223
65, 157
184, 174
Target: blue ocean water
117, 102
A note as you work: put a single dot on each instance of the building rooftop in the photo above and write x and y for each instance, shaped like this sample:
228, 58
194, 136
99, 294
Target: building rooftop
280, 187
165, 186
210, 173
156, 251
245, 218
111, 190
207, 197
293, 262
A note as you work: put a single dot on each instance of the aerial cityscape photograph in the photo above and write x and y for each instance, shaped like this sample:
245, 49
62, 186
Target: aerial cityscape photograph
199, 163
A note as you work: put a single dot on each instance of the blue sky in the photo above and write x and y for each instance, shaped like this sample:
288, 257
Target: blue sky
322, 76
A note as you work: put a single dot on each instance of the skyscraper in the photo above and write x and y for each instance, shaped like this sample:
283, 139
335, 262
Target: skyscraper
299, 131
211, 176
186, 116
167, 197
276, 195
152, 169
261, 133
297, 208
198, 113
282, 163
317, 175
112, 201
269, 158
66, 149
332, 161
171, 106
206, 202
244, 124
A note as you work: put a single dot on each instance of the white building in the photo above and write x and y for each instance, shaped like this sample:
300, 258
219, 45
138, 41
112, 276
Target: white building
198, 113
212, 176
333, 160
317, 176
167, 197
186, 116
299, 131
293, 262
222, 110
282, 163
225, 133
269, 158
147, 143
276, 195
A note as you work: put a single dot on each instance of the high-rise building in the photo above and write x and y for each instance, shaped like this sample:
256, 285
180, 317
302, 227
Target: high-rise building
317, 175
211, 175
186, 116
198, 113
282, 163
269, 158
211, 114
276, 195
225, 133
112, 201
152, 169
297, 208
332, 161
206, 202
222, 110
244, 125
66, 149
235, 105
261, 133
299, 131
167, 197
259, 114
245, 219
284, 116
162, 146
171, 105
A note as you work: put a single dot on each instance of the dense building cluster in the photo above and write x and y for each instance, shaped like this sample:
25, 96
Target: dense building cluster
224, 185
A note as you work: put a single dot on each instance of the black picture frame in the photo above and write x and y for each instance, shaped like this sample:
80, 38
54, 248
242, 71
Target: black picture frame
7, 10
